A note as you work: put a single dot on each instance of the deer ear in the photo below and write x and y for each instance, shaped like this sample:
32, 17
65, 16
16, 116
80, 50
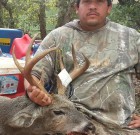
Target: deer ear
23, 119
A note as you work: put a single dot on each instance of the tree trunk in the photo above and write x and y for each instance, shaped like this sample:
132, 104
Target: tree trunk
66, 12
5, 4
1, 17
42, 18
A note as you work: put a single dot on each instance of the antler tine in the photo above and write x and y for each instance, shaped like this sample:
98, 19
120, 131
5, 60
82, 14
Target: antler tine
77, 71
28, 56
61, 60
26, 70
60, 87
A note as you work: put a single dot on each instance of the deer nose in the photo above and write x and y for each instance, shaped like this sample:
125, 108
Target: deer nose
90, 127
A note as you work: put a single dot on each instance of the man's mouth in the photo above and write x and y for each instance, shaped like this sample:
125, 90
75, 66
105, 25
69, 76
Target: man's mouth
93, 14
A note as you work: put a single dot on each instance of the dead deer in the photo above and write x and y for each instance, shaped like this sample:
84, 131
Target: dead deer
21, 116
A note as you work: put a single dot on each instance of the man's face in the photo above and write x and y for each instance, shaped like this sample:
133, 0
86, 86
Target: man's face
92, 13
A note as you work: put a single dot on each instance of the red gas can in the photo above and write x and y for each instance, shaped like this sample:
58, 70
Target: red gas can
21, 45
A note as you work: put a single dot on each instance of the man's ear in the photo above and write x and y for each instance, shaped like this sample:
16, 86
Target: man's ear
109, 9
76, 8
24, 119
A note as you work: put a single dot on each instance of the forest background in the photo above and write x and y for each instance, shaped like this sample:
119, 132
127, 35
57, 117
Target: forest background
42, 16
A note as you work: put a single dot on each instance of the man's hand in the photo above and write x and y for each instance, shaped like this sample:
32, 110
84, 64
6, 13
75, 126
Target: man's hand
135, 123
38, 96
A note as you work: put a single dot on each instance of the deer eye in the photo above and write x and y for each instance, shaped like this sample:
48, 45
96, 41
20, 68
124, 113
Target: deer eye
59, 112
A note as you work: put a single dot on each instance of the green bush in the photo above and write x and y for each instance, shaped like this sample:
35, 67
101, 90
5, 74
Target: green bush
127, 14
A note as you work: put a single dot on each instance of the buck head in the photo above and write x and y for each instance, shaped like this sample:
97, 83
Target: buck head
59, 117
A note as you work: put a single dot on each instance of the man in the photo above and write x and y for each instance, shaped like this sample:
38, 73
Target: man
105, 90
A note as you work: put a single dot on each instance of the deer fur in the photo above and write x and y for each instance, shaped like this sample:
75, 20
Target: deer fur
20, 116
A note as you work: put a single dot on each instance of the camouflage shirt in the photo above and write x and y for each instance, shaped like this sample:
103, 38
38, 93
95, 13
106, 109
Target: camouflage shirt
105, 90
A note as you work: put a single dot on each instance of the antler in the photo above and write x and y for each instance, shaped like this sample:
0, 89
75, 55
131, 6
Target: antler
29, 63
76, 72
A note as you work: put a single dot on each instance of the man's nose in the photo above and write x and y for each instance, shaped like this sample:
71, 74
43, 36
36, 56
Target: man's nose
93, 4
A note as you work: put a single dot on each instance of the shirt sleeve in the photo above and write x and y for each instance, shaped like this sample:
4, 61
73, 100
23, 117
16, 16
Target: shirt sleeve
46, 66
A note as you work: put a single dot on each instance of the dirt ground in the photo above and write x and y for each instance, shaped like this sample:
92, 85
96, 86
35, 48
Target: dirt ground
137, 90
